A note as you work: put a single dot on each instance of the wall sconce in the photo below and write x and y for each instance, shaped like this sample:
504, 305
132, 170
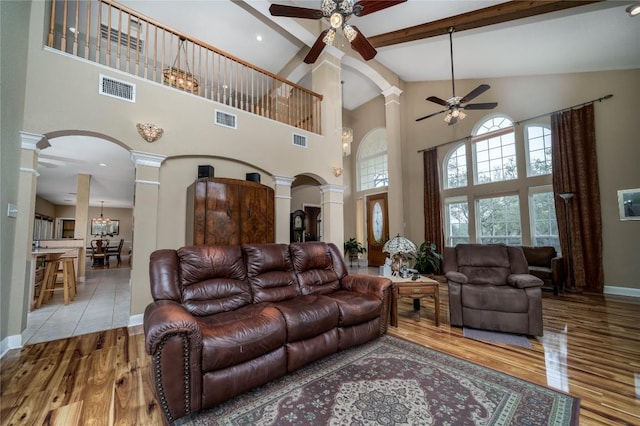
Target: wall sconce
337, 171
149, 132
347, 138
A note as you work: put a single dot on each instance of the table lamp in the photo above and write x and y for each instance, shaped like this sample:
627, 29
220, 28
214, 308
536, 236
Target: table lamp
398, 248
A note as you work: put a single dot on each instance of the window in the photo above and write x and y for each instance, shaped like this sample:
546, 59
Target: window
457, 221
539, 150
544, 228
494, 151
372, 161
456, 169
499, 220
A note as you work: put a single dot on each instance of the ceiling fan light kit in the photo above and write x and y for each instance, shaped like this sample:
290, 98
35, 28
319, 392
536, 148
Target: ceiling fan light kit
456, 104
337, 13
634, 9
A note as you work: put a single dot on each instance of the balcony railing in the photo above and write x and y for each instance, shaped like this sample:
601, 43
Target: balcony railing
110, 34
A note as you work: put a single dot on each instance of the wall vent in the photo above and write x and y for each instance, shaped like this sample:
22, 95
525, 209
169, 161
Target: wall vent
227, 120
126, 40
117, 88
300, 140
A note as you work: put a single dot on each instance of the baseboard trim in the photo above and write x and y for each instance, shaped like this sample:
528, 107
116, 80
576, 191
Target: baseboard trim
622, 291
10, 342
136, 320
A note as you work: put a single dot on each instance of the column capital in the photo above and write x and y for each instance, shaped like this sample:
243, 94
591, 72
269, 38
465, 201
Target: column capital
147, 159
338, 189
391, 91
283, 180
31, 141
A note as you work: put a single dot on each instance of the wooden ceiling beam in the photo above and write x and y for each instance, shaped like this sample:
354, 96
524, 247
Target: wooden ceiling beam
499, 13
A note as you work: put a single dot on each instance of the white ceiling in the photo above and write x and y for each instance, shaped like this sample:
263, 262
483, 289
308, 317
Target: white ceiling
595, 37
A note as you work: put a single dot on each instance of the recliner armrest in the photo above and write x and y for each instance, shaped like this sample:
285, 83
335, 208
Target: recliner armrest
524, 281
457, 277
166, 317
366, 284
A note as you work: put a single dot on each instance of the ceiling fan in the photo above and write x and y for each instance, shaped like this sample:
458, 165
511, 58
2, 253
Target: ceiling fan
337, 12
456, 104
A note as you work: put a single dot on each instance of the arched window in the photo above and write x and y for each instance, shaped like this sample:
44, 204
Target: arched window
494, 149
456, 168
372, 161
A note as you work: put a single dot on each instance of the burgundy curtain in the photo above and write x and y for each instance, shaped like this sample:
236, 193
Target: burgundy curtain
575, 170
432, 208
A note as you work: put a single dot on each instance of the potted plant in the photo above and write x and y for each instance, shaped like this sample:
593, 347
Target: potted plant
427, 258
353, 248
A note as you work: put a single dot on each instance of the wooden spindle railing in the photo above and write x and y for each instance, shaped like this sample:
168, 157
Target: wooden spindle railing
118, 37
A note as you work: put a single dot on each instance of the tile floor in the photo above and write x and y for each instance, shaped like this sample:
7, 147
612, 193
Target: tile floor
102, 303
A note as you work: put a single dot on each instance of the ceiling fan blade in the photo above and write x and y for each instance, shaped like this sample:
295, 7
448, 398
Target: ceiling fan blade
316, 49
362, 45
487, 105
438, 101
294, 11
475, 92
431, 115
370, 6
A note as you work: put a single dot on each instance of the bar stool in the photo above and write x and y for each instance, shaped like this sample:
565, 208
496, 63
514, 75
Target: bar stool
52, 269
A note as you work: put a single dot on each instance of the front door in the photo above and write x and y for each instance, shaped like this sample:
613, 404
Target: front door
377, 228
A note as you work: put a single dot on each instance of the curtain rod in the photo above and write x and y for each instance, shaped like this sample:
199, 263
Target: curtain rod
600, 99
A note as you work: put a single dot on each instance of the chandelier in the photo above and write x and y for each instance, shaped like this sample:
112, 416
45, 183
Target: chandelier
103, 224
179, 78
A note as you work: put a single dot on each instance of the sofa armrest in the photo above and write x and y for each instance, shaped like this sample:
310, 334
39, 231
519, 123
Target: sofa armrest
557, 269
457, 277
174, 341
524, 281
366, 284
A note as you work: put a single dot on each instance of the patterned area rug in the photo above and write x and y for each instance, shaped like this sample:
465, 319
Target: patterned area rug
394, 382
497, 337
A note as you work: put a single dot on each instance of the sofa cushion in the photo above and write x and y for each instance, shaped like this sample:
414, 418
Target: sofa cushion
313, 264
494, 298
484, 264
270, 272
356, 308
231, 338
213, 279
308, 316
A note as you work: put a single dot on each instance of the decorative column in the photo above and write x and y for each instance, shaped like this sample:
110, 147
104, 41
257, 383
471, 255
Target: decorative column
83, 191
332, 200
282, 207
26, 203
145, 228
394, 158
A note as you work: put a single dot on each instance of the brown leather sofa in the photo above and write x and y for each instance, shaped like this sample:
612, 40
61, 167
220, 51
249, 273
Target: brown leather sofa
545, 264
226, 319
490, 288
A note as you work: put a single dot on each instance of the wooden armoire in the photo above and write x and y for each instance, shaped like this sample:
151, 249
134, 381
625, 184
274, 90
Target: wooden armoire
223, 211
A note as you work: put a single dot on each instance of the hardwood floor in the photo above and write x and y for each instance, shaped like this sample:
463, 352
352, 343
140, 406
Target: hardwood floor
590, 348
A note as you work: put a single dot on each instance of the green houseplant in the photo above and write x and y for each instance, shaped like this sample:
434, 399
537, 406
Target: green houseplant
352, 248
427, 258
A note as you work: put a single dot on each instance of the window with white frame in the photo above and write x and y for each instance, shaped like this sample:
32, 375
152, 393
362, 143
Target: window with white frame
372, 161
542, 211
538, 140
456, 168
499, 220
494, 150
457, 221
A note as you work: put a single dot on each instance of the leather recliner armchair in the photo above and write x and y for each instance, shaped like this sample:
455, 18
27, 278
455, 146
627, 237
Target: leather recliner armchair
490, 288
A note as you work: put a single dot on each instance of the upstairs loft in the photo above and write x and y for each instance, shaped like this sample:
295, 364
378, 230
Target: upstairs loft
107, 33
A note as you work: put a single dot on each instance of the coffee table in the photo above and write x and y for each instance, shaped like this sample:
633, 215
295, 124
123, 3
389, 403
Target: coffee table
406, 287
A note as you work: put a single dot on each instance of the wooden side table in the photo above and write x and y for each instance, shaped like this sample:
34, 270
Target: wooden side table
422, 287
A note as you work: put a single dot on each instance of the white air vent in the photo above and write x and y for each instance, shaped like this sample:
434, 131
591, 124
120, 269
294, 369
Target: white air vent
300, 140
117, 88
115, 36
227, 120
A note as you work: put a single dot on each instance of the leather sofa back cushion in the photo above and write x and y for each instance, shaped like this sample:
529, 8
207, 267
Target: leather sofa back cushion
484, 264
313, 264
213, 279
270, 272
539, 256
